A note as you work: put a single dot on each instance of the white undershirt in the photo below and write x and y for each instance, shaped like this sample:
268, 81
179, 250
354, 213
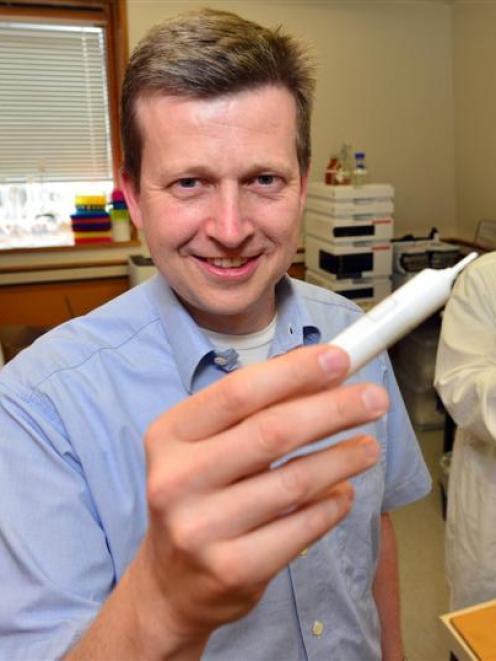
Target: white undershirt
251, 348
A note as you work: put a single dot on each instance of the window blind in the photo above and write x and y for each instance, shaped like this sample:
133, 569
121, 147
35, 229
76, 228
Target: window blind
54, 113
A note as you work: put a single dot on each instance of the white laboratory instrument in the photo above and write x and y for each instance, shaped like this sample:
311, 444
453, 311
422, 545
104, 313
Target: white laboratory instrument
370, 227
398, 314
140, 268
365, 292
356, 259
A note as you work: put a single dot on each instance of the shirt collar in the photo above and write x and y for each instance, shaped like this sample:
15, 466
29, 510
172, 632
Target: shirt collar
197, 360
295, 326
190, 347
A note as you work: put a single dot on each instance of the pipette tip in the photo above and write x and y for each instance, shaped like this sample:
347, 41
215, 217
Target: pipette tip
459, 266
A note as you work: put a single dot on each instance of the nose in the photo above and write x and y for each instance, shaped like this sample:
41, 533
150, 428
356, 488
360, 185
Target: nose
229, 222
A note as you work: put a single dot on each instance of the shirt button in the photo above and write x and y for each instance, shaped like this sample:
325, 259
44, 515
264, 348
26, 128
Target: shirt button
304, 552
220, 360
318, 628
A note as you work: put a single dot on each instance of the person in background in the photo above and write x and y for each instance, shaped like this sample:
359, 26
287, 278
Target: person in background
159, 502
465, 379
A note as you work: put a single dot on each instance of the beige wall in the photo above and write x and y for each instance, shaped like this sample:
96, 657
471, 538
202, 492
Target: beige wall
384, 85
475, 117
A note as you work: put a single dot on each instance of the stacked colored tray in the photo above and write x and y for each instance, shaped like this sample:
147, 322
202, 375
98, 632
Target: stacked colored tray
91, 223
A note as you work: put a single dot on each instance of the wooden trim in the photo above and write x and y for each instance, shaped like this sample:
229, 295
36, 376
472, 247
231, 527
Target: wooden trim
466, 243
122, 37
53, 14
4, 270
113, 89
89, 246
71, 5
62, 283
118, 55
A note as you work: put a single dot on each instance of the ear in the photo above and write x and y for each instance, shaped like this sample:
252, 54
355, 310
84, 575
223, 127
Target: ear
132, 197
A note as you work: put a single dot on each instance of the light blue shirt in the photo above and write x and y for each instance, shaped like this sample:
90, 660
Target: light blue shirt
73, 411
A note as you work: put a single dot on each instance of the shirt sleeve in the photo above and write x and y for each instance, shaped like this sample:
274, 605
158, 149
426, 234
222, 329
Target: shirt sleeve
466, 359
55, 565
407, 478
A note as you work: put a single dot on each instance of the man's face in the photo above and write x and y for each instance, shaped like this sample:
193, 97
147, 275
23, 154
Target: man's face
220, 201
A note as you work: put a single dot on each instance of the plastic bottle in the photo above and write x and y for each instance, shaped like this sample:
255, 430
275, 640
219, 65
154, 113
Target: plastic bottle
331, 170
360, 172
121, 225
343, 175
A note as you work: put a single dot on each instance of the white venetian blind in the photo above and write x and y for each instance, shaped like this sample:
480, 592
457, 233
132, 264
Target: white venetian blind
54, 116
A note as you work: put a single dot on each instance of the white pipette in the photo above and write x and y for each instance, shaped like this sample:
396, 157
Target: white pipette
398, 314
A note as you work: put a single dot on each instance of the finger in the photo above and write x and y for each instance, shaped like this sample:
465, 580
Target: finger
246, 391
262, 553
251, 503
257, 442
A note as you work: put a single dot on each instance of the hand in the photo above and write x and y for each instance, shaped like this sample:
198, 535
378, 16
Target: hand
222, 522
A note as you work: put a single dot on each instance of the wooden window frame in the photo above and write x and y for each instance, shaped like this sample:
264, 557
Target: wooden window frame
112, 15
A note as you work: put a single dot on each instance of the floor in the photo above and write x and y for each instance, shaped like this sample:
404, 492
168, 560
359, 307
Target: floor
424, 596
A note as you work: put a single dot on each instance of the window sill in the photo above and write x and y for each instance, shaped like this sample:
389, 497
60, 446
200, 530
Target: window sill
59, 263
72, 248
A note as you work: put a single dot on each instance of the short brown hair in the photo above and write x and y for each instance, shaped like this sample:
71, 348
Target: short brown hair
207, 53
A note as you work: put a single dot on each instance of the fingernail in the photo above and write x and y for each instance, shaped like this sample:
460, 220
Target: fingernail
370, 447
374, 399
334, 362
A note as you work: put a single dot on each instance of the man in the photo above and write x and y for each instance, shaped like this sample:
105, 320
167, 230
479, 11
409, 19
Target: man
466, 381
225, 542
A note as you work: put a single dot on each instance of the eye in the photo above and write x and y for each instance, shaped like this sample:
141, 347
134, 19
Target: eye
267, 183
266, 179
187, 187
187, 182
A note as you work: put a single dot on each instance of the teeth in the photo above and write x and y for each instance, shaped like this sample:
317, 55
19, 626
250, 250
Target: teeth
227, 263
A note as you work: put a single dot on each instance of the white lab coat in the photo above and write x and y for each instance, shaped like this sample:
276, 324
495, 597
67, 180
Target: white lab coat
466, 381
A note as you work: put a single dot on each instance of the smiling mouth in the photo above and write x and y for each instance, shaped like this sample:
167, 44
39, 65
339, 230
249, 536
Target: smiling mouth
227, 262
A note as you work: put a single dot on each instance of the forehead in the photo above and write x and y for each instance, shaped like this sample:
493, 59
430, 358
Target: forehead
262, 112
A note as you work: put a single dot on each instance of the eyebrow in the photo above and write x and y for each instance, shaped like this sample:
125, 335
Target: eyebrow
273, 167
207, 172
